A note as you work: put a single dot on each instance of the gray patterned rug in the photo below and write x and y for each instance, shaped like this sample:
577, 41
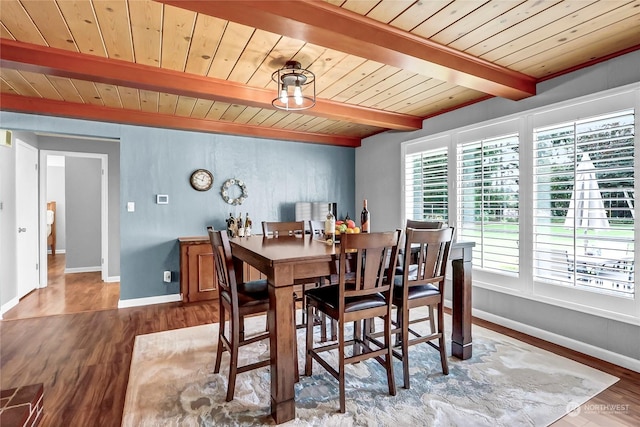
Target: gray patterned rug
505, 383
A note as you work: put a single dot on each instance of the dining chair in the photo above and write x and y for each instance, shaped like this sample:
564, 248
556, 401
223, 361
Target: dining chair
422, 285
288, 228
237, 300
421, 225
425, 224
317, 229
363, 295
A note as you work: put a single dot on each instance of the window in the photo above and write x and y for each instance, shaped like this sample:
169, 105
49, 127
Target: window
426, 193
547, 195
488, 201
584, 198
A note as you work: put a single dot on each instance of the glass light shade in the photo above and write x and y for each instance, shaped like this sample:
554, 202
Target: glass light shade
290, 79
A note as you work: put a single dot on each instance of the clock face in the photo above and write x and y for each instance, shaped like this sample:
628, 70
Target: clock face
201, 180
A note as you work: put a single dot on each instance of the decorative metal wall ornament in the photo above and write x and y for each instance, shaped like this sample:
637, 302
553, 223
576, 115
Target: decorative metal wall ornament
224, 191
291, 80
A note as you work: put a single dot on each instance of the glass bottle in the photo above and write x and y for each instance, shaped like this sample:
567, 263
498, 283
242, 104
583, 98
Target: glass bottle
247, 225
365, 222
330, 226
240, 226
230, 222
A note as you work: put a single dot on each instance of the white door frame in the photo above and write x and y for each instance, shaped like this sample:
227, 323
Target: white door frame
104, 216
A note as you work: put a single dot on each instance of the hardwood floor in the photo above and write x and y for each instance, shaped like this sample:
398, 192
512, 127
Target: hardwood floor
83, 358
66, 293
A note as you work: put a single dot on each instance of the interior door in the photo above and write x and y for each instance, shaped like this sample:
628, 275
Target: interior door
27, 218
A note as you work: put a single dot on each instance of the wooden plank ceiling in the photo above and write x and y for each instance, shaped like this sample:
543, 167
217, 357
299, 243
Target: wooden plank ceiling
379, 64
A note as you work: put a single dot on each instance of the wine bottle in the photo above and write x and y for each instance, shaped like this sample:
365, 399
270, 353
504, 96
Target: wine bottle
330, 227
240, 226
247, 225
365, 224
231, 226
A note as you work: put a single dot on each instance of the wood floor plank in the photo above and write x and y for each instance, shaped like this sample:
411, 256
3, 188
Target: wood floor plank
83, 358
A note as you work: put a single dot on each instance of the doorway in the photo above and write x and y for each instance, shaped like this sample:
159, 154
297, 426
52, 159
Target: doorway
81, 291
81, 169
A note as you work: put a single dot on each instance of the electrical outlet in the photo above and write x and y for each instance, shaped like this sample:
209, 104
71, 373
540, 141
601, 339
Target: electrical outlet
167, 276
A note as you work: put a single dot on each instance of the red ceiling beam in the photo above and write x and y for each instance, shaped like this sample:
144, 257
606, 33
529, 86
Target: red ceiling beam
51, 107
326, 25
63, 63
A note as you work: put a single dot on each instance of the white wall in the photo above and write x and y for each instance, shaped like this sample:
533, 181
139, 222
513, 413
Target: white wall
83, 193
56, 193
379, 179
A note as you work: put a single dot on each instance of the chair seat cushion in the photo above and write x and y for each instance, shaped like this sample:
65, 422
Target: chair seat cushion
250, 293
329, 296
419, 291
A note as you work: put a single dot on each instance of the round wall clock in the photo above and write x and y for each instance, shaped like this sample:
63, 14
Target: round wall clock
201, 179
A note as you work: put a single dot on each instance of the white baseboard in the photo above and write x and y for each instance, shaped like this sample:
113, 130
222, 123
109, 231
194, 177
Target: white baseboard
137, 302
82, 270
58, 251
112, 279
8, 306
591, 350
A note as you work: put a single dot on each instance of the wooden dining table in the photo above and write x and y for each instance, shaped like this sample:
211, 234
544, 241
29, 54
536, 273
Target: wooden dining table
288, 260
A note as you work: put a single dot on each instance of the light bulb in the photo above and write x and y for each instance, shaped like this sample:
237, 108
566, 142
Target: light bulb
284, 96
297, 94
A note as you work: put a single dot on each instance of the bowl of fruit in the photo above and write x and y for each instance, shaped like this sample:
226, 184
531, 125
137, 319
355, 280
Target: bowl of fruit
345, 227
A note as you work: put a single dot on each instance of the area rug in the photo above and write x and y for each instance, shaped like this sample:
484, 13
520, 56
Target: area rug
505, 383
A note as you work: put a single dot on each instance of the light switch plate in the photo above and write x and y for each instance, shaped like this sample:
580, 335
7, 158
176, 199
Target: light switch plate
162, 199
5, 138
131, 206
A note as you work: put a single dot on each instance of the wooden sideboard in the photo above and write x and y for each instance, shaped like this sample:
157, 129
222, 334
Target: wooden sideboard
198, 281
197, 270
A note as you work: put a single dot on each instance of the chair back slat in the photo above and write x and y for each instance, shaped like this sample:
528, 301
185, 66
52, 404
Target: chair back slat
433, 247
372, 253
288, 228
423, 225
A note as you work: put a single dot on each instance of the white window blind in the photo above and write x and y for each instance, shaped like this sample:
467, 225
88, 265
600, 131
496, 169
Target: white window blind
488, 201
584, 198
426, 192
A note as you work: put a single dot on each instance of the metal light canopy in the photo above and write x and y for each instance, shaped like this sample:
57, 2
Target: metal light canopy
291, 79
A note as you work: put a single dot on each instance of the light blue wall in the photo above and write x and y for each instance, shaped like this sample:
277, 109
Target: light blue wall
160, 161
155, 161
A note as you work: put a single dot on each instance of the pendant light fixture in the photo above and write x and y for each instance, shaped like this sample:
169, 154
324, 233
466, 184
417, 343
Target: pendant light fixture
296, 87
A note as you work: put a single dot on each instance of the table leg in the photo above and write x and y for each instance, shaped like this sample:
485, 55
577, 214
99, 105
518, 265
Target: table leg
461, 345
283, 353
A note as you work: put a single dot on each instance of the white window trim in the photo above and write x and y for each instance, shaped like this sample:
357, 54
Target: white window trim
616, 308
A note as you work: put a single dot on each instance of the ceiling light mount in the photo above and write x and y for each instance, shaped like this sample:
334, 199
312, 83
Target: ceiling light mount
296, 87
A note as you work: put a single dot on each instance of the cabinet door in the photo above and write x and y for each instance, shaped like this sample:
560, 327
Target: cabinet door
203, 284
